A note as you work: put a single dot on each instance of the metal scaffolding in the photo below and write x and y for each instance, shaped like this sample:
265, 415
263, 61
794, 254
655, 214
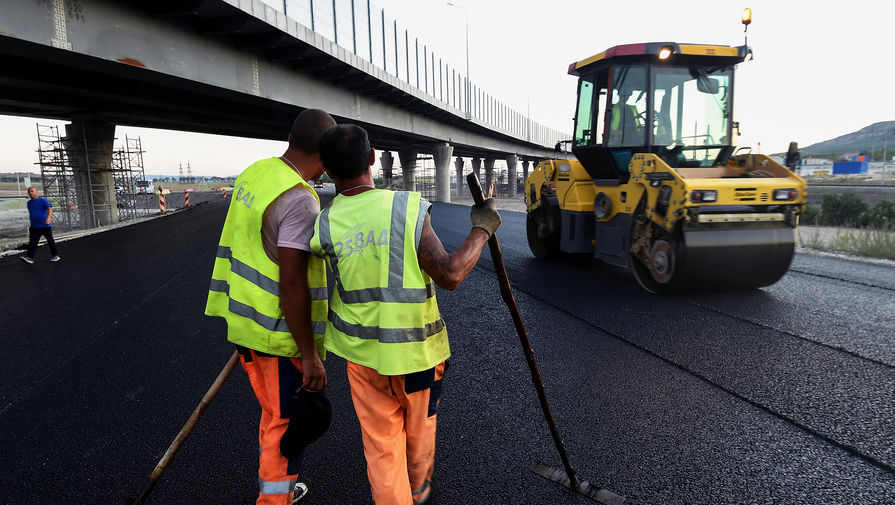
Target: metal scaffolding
80, 198
127, 168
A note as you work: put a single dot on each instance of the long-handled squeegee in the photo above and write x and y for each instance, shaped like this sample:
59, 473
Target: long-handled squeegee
568, 478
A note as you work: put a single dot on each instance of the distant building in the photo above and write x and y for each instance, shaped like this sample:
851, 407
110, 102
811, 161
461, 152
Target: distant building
852, 164
815, 166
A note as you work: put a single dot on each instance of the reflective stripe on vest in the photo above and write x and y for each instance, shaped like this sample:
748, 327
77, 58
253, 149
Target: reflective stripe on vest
394, 292
257, 278
245, 287
383, 313
387, 335
266, 322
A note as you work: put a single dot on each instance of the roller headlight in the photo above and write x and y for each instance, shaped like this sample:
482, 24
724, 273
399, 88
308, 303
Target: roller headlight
704, 196
786, 195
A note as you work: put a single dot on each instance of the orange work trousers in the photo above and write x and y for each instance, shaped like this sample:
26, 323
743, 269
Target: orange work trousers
273, 379
397, 417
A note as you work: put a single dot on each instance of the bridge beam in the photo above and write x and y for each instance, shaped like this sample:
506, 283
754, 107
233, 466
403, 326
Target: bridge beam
442, 155
386, 161
512, 161
88, 145
152, 71
458, 164
408, 168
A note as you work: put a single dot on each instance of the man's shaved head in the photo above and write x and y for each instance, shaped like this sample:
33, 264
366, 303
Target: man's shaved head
307, 129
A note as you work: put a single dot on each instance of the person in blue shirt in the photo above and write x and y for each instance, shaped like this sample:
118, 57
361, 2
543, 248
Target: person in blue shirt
40, 211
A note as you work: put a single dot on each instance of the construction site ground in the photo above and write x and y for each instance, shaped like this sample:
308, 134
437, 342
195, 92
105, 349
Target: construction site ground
774, 395
14, 220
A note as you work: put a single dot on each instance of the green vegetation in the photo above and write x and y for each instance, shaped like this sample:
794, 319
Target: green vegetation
868, 231
849, 210
811, 216
882, 215
873, 243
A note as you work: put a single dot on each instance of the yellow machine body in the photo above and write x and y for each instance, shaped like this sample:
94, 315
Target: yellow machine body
664, 194
576, 191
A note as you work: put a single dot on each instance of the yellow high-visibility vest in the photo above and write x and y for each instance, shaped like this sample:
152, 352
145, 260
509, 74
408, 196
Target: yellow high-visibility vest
383, 312
245, 282
618, 110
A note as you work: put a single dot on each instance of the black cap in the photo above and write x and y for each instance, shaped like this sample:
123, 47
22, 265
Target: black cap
310, 414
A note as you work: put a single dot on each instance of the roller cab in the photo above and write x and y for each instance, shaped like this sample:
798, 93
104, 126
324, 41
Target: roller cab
655, 185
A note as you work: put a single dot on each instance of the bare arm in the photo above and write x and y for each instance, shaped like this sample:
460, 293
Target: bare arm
295, 299
49, 214
449, 270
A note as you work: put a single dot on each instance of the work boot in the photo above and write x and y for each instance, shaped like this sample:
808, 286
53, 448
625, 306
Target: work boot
299, 492
55, 258
26, 259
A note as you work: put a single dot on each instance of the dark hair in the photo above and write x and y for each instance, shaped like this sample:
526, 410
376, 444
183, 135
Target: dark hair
345, 151
307, 129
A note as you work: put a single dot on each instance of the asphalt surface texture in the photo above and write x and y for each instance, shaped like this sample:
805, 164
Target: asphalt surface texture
781, 395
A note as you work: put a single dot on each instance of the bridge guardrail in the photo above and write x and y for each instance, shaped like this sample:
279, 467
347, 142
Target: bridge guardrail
364, 29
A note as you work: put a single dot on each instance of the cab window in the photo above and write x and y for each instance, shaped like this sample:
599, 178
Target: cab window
628, 114
589, 119
692, 126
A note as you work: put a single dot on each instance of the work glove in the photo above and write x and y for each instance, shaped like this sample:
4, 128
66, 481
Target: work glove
485, 217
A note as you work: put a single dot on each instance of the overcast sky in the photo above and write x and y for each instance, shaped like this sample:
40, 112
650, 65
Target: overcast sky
820, 69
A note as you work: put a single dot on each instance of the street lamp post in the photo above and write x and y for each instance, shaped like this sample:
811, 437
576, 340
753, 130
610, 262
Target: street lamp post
466, 15
885, 159
883, 176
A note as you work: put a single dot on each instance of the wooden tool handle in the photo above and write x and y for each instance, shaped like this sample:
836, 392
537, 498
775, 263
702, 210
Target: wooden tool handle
507, 293
475, 189
184, 432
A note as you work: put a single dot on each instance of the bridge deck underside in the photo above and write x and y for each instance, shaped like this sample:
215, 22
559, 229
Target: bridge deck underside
39, 80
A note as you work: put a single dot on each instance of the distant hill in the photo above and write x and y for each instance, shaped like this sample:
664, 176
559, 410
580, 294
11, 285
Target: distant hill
868, 140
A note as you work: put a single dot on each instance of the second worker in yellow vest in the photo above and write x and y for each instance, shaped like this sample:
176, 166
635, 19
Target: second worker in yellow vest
383, 316
272, 293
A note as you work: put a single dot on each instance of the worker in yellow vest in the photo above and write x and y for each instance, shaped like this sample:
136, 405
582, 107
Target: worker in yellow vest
272, 292
383, 317
626, 126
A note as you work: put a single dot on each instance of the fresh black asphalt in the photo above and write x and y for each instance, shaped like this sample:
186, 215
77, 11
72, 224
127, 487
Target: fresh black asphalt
780, 395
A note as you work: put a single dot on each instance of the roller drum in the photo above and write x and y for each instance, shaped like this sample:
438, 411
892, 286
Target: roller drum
739, 258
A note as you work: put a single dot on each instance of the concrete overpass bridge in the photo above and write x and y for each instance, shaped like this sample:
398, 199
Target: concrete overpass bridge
245, 68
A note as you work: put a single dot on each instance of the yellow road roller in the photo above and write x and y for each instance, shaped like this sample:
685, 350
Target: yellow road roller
656, 185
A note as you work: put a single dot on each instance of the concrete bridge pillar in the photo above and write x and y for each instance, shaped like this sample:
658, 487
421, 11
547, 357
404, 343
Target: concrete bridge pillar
477, 169
89, 149
458, 164
489, 174
512, 161
386, 161
442, 157
525, 166
408, 168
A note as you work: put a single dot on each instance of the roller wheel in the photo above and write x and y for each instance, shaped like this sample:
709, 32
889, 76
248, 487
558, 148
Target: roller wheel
656, 277
542, 230
654, 256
